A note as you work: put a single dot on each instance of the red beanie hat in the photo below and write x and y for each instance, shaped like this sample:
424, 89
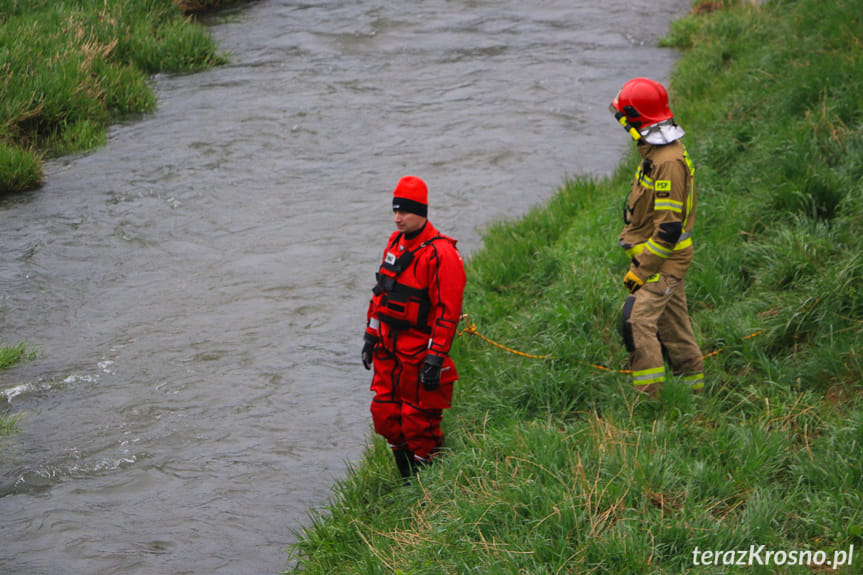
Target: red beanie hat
411, 195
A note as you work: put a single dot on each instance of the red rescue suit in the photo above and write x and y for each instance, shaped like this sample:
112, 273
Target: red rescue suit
414, 312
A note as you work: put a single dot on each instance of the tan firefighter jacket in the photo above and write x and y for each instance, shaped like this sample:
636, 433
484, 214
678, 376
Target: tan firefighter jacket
660, 212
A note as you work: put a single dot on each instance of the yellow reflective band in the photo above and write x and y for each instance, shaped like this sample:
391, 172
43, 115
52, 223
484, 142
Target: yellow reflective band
635, 250
691, 193
653, 278
688, 161
695, 381
621, 117
648, 376
682, 245
657, 249
670, 205
643, 179
638, 249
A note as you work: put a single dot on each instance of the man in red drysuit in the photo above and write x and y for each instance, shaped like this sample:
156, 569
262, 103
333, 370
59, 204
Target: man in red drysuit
411, 323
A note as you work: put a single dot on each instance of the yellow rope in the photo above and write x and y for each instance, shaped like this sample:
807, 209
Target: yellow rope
471, 329
711, 354
716, 352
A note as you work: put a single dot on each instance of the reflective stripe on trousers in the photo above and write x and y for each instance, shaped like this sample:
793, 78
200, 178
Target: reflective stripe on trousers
655, 324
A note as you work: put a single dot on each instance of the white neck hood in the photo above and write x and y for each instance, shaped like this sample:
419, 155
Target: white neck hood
661, 133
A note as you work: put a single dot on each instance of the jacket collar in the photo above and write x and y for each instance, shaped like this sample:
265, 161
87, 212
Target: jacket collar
427, 232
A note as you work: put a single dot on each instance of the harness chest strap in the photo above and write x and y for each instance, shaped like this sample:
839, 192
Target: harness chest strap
402, 305
393, 266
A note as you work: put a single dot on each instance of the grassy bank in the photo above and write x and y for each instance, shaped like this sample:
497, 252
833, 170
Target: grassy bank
69, 68
556, 466
9, 356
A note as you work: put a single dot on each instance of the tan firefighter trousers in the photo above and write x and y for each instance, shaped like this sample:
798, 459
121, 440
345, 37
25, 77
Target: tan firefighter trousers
655, 324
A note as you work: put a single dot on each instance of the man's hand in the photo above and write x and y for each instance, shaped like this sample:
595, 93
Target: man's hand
368, 354
632, 282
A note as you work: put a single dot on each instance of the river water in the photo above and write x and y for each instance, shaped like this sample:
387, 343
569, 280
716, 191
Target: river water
196, 289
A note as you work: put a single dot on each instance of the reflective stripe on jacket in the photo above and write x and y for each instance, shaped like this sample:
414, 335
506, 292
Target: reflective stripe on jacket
660, 212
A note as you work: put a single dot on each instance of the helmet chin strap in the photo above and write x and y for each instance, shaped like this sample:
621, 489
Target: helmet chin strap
621, 117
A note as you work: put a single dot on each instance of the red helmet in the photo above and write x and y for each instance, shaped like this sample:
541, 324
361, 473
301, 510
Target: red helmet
643, 102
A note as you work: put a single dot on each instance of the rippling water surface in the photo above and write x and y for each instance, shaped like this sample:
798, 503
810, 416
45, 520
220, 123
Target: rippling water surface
197, 288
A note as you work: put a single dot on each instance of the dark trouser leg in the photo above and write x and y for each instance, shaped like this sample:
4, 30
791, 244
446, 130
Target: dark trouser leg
638, 327
405, 462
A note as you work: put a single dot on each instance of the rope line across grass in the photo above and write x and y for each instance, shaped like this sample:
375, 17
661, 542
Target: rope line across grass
471, 329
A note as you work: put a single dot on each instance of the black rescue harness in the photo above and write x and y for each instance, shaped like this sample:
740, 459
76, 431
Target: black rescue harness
402, 305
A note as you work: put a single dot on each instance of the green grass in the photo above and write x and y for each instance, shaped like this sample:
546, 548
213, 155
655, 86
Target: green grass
9, 356
556, 465
69, 68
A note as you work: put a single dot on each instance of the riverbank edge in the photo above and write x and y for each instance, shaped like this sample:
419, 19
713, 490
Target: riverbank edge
21, 157
9, 356
72, 69
555, 465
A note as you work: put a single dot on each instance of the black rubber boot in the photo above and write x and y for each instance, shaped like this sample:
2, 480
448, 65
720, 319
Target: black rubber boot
405, 463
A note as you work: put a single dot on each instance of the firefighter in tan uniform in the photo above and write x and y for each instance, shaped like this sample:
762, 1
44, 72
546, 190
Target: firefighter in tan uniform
657, 237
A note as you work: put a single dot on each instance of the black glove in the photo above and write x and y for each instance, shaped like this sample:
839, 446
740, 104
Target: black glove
430, 373
369, 342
